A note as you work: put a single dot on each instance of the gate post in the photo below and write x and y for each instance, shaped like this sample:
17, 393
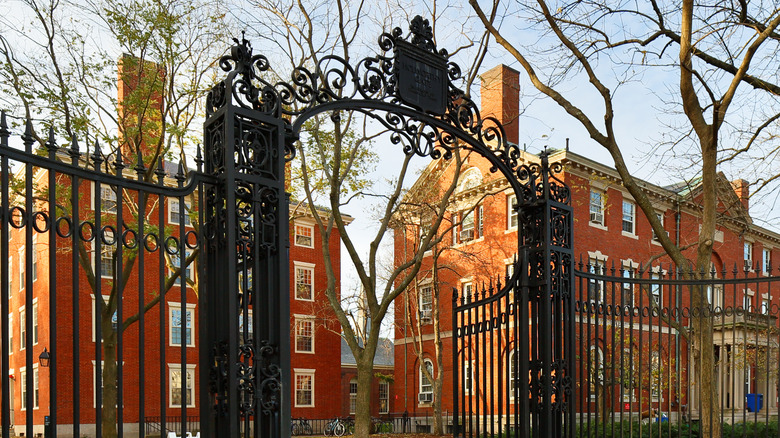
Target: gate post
547, 283
245, 351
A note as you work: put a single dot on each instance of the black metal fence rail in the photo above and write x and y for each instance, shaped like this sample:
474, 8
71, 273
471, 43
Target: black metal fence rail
391, 423
641, 369
92, 298
156, 425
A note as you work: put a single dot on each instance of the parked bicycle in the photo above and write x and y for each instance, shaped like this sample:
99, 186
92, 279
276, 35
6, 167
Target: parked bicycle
300, 426
339, 427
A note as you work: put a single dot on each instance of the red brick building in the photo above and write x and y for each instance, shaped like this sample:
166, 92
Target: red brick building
479, 244
382, 403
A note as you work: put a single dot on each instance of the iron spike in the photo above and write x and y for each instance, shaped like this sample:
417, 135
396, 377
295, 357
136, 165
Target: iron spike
51, 145
74, 150
119, 162
140, 169
199, 159
180, 174
27, 137
4, 132
160, 172
97, 155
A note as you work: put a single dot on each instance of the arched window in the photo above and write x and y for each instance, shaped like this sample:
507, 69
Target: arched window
426, 386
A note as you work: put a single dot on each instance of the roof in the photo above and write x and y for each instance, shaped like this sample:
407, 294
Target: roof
384, 353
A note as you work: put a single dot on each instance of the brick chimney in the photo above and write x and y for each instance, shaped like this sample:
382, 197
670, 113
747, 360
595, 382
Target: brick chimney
742, 189
139, 95
501, 98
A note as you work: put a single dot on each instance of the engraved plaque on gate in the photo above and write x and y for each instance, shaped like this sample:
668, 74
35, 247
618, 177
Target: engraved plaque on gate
421, 78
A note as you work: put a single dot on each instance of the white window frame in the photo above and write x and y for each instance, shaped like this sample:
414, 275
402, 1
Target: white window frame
628, 272
384, 408
467, 226
660, 215
596, 217
353, 384
35, 322
425, 388
747, 255
34, 267
467, 285
189, 310
480, 211
21, 269
105, 189
766, 256
512, 374
468, 377
656, 385
23, 386
631, 216
310, 268
765, 305
511, 213
10, 275
426, 305
190, 371
11, 333
747, 300
174, 212
36, 388
22, 331
304, 319
189, 271
302, 227
596, 265
301, 372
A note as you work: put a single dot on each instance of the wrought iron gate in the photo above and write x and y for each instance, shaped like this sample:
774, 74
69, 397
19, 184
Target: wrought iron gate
524, 327
96, 223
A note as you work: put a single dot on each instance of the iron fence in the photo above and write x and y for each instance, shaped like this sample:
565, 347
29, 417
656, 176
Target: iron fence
643, 337
391, 423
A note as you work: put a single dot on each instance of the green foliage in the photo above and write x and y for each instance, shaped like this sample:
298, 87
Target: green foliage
670, 429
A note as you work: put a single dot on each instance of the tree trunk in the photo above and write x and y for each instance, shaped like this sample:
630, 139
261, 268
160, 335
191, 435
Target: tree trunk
365, 372
438, 421
109, 386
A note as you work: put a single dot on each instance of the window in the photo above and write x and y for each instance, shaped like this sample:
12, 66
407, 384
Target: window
304, 236
384, 397
353, 396
34, 269
304, 388
514, 382
629, 217
511, 211
175, 386
21, 269
467, 292
175, 314
715, 295
767, 259
426, 304
628, 288
426, 387
304, 334
656, 289
36, 391
35, 323
748, 255
655, 375
107, 199
304, 282
596, 287
175, 214
660, 217
10, 275
467, 227
22, 329
765, 306
480, 221
596, 207
11, 333
23, 379
748, 302
176, 264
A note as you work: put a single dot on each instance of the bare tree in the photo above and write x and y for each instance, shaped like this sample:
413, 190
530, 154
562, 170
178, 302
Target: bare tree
725, 51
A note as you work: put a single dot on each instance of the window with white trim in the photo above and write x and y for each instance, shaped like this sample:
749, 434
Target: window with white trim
656, 290
748, 301
767, 259
353, 389
304, 389
176, 264
21, 269
747, 255
480, 220
467, 292
176, 321
765, 306
34, 268
596, 287
660, 217
514, 381
304, 235
107, 199
10, 275
11, 333
23, 381
175, 214
627, 289
22, 329
596, 207
304, 334
426, 386
36, 391
384, 397
467, 227
426, 304
175, 385
629, 217
656, 375
35, 324
511, 212
468, 376
304, 282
